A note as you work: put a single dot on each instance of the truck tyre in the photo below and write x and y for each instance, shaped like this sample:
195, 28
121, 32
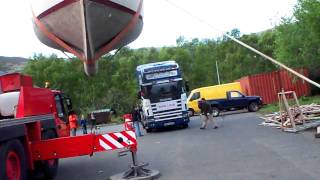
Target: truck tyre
49, 168
215, 111
191, 112
13, 161
253, 107
185, 126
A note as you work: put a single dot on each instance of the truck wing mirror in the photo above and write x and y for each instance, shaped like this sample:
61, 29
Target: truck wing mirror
60, 115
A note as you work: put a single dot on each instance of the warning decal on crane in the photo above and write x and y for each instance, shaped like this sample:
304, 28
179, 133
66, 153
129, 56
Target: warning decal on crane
117, 140
82, 145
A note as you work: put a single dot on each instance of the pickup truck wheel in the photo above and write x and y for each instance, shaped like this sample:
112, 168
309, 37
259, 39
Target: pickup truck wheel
215, 111
149, 130
191, 112
253, 107
49, 168
13, 161
185, 126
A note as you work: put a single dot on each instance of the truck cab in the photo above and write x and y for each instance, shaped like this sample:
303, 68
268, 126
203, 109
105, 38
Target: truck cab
236, 100
19, 99
30, 114
162, 94
63, 106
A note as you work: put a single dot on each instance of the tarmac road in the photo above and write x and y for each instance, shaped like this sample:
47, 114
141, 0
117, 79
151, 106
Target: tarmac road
238, 150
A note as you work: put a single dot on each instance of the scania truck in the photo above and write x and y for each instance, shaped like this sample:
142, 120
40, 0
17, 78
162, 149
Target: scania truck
163, 95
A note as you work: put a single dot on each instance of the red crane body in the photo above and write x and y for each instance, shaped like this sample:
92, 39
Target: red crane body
34, 128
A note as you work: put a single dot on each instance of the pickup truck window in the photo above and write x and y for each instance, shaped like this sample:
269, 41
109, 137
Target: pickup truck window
195, 96
235, 94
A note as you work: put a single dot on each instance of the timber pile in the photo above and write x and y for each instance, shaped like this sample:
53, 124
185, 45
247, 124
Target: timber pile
293, 118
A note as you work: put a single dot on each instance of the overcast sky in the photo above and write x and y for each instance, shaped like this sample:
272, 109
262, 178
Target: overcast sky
163, 22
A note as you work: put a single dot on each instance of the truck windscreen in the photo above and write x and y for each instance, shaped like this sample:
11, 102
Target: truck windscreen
163, 92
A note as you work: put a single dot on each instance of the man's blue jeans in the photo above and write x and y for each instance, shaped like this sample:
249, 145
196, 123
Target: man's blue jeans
137, 128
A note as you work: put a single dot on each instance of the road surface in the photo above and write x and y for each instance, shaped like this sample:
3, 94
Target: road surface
239, 149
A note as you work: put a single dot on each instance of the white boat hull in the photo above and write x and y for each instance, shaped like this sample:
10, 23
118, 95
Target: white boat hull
90, 27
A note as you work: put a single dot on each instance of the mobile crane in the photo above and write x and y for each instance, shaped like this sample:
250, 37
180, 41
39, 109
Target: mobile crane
34, 129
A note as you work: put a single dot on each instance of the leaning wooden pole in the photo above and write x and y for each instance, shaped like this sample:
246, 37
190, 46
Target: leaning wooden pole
245, 45
273, 60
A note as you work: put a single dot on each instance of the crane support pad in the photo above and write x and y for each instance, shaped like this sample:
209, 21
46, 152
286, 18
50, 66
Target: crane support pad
82, 145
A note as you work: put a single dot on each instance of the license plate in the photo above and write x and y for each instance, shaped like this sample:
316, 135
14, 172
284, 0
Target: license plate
169, 124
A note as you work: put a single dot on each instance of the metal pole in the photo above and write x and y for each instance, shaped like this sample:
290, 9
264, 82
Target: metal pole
134, 158
218, 72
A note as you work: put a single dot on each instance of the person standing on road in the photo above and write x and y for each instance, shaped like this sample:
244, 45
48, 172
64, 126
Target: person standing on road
73, 121
141, 118
206, 111
136, 118
93, 122
83, 122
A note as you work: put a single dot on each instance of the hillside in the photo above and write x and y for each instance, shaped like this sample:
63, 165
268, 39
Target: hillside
12, 64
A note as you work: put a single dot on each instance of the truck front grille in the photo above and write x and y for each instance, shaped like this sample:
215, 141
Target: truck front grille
167, 114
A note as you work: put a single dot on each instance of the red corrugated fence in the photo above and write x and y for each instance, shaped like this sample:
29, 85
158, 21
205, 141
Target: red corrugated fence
267, 85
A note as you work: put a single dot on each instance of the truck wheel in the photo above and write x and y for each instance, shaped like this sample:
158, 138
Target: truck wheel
13, 161
253, 107
215, 111
191, 112
185, 126
49, 168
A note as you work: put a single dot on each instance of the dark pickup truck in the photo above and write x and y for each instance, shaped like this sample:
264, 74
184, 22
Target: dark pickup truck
235, 100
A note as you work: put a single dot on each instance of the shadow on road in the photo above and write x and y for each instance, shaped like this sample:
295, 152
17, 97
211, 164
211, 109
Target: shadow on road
227, 113
168, 129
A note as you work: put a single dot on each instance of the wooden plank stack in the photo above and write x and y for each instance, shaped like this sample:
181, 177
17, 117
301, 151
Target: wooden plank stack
293, 117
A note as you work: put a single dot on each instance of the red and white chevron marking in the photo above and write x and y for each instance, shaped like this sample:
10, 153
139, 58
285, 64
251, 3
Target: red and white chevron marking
110, 141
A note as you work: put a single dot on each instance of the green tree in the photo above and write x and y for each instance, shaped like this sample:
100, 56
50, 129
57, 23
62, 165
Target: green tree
298, 38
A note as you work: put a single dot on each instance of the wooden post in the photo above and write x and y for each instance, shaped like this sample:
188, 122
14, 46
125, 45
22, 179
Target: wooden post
280, 111
287, 107
301, 116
